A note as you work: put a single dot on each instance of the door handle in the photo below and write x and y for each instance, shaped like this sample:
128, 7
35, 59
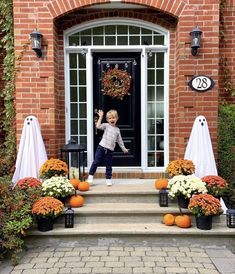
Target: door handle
96, 120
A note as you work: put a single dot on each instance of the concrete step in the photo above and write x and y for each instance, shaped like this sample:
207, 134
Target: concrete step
135, 191
125, 213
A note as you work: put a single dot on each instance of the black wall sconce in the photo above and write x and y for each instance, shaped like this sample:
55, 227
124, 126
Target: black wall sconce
36, 38
195, 40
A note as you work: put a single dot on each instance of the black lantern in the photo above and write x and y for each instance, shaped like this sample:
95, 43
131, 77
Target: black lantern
36, 37
195, 40
69, 218
163, 197
230, 214
73, 155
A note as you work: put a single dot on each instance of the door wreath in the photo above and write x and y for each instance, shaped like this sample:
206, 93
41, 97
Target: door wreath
116, 83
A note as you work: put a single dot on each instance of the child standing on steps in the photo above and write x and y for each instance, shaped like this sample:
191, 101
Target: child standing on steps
104, 151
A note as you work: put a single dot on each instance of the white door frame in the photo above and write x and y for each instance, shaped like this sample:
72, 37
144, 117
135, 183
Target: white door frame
89, 71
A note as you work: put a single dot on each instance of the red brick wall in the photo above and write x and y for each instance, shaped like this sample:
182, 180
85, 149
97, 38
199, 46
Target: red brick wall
40, 82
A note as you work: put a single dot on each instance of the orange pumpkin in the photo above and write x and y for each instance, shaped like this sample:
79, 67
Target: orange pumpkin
84, 186
76, 201
183, 221
168, 219
161, 183
74, 182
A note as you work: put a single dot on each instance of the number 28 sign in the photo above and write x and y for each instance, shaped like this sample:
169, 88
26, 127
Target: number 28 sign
201, 83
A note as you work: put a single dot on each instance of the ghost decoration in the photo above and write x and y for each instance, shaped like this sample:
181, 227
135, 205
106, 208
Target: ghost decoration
32, 153
199, 150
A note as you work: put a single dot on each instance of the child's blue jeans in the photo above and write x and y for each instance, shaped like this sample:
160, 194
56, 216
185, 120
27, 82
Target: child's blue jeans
102, 156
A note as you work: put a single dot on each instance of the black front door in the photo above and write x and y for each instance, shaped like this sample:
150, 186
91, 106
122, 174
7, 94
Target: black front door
128, 109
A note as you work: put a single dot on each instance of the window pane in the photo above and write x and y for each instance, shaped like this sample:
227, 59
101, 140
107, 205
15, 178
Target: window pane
73, 41
73, 94
134, 30
151, 159
110, 40
151, 143
82, 110
98, 31
98, 40
151, 126
74, 110
160, 76
85, 40
82, 127
151, 76
82, 94
134, 40
82, 77
122, 29
160, 159
74, 127
151, 93
82, 61
73, 77
160, 93
160, 110
110, 29
151, 110
122, 40
159, 40
147, 40
73, 60
160, 60
160, 126
151, 61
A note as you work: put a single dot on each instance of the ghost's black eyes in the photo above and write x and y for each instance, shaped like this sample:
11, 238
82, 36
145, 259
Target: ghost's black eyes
31, 119
203, 120
200, 120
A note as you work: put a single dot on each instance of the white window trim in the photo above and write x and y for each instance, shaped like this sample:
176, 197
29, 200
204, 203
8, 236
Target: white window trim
143, 50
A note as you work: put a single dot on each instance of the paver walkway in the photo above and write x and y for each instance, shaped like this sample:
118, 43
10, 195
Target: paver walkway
127, 259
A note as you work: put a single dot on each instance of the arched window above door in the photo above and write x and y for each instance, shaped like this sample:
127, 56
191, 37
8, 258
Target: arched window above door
116, 35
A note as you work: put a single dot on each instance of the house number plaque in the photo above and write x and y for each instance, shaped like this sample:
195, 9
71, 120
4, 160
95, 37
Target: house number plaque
201, 83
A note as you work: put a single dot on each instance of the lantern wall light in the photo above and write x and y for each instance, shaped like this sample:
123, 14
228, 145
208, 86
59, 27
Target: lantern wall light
36, 38
195, 40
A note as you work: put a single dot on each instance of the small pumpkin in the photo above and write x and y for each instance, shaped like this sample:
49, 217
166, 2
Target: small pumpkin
76, 201
161, 183
183, 221
84, 186
168, 219
74, 182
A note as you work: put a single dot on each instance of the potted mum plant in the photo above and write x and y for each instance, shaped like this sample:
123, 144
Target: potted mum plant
183, 187
180, 167
46, 209
216, 185
28, 182
53, 167
204, 206
57, 187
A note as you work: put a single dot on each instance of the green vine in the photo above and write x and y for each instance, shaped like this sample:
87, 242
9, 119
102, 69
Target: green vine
7, 118
224, 64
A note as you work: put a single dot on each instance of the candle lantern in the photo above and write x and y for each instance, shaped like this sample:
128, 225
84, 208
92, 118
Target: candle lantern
230, 214
69, 218
163, 197
73, 154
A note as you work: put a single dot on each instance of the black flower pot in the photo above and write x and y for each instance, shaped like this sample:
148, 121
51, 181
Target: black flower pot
183, 202
204, 222
45, 223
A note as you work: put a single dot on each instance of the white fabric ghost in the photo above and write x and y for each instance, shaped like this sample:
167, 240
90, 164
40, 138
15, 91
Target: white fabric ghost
32, 153
199, 150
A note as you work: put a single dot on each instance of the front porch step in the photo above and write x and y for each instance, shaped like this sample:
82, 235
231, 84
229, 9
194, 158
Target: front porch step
126, 213
129, 210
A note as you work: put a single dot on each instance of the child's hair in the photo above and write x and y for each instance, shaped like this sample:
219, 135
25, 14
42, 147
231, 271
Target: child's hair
112, 112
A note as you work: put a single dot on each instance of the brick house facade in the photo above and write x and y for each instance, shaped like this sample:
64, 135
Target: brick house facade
40, 84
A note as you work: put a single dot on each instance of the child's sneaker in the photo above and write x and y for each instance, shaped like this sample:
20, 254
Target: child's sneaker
90, 179
108, 182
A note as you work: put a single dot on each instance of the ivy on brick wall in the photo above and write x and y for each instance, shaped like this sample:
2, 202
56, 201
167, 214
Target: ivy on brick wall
7, 118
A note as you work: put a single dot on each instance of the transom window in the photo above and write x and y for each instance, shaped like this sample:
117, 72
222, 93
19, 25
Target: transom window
116, 35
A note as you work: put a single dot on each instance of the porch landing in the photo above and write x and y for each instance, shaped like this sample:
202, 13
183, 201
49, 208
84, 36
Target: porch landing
129, 211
